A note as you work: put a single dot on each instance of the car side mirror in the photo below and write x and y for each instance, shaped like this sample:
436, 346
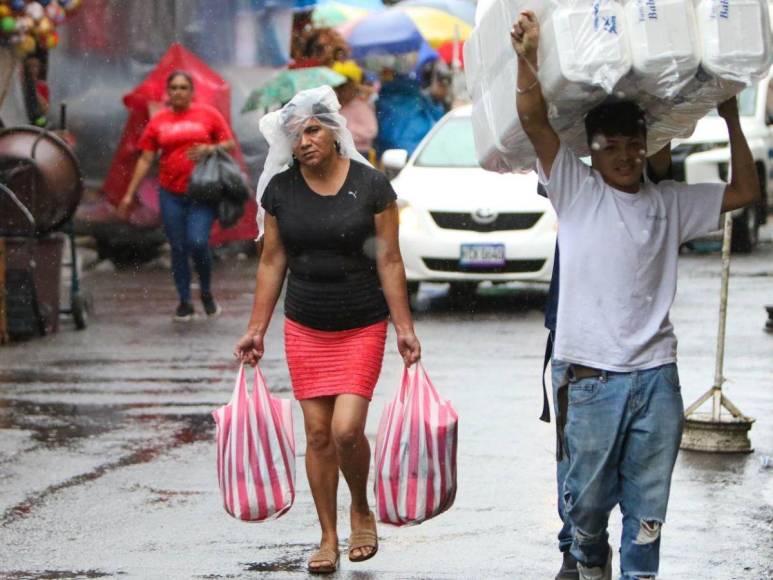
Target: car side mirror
394, 160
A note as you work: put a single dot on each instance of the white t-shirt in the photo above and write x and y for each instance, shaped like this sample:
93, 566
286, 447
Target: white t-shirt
618, 256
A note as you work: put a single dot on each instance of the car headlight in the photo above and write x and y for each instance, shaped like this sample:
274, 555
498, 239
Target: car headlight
409, 218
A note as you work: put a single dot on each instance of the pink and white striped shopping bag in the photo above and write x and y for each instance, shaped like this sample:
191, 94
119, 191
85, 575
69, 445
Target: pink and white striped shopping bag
255, 452
415, 453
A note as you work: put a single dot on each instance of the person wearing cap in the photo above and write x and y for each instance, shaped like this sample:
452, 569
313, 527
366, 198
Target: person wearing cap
331, 228
621, 412
356, 107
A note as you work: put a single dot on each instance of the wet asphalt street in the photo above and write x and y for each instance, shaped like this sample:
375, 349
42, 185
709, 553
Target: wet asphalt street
107, 460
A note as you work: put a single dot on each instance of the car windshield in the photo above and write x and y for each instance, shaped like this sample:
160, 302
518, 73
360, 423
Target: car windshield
746, 102
452, 145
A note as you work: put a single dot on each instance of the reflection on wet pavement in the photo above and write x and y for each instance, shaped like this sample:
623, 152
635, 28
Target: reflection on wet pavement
281, 565
57, 575
198, 428
107, 461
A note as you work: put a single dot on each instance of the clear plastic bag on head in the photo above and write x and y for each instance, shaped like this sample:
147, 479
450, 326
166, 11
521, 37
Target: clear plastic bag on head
283, 128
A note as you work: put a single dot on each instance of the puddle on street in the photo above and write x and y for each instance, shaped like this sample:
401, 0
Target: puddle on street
57, 424
196, 428
295, 559
26, 377
280, 565
62, 424
57, 574
161, 362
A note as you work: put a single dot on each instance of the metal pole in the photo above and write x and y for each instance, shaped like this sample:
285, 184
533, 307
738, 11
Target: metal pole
718, 371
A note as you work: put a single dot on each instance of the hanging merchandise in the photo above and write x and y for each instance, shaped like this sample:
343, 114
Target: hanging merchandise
26, 26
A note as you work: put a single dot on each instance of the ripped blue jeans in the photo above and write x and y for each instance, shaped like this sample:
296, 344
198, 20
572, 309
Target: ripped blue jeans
622, 434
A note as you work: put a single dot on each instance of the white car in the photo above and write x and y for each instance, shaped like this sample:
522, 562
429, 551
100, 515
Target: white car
462, 224
705, 156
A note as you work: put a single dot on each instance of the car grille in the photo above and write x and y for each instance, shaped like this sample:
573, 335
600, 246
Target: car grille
503, 221
510, 267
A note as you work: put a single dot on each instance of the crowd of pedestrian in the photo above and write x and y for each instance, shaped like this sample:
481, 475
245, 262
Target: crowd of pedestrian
385, 108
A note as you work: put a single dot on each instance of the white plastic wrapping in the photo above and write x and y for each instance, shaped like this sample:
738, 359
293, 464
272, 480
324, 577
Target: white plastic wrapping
735, 48
665, 49
282, 128
735, 38
583, 57
677, 58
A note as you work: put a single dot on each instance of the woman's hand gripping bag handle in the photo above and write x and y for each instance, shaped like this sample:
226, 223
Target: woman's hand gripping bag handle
415, 458
255, 452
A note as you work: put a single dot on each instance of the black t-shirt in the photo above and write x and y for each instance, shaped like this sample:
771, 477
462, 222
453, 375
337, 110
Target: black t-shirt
330, 242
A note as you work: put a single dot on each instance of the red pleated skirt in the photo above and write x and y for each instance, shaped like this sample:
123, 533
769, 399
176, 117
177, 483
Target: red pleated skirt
325, 363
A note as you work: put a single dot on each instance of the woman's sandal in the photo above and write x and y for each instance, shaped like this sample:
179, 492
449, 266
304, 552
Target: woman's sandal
326, 556
364, 538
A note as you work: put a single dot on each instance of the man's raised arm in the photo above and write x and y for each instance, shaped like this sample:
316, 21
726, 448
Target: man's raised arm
532, 109
744, 187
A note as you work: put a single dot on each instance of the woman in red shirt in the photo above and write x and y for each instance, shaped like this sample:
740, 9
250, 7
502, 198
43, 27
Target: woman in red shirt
183, 133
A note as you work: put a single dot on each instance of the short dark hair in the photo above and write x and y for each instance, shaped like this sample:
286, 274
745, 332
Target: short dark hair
179, 73
615, 117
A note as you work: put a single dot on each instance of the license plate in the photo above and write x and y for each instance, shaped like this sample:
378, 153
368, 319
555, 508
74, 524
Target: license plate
482, 255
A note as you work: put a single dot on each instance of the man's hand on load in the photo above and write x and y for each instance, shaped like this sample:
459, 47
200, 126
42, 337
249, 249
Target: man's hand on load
524, 35
729, 109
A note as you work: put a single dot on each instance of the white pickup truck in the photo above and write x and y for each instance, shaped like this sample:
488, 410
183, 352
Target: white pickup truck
704, 157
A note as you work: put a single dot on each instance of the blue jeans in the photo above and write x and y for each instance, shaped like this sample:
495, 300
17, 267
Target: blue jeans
622, 435
187, 225
565, 535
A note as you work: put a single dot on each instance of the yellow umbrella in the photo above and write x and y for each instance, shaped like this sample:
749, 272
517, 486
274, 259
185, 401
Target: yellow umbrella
437, 26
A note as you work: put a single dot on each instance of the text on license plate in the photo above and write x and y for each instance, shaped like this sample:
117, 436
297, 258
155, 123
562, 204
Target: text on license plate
482, 255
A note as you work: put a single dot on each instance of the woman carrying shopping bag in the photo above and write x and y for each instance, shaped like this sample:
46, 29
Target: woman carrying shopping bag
332, 221
184, 133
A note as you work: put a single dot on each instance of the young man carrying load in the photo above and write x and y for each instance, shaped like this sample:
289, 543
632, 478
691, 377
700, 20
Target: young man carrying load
619, 242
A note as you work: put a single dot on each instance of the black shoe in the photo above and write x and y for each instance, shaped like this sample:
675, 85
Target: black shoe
211, 307
568, 569
184, 312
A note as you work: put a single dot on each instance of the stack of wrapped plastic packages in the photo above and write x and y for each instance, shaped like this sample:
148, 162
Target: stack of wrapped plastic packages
677, 58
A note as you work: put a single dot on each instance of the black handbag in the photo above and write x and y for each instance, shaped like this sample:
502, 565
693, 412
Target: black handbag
217, 180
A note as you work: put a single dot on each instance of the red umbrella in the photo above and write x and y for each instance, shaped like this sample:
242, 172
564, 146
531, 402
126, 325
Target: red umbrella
211, 89
446, 52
